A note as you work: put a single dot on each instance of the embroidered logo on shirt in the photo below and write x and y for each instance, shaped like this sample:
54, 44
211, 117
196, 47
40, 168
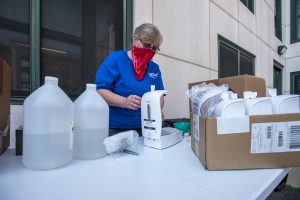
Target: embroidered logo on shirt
153, 75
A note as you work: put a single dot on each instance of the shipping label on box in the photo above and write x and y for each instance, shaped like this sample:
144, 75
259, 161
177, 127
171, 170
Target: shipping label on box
195, 126
275, 137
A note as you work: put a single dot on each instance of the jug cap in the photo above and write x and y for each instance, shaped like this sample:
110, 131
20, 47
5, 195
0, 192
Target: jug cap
90, 86
51, 80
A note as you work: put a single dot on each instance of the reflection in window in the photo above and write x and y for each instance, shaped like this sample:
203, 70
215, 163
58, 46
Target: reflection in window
228, 61
233, 60
277, 77
295, 21
246, 65
295, 82
249, 4
76, 37
278, 23
14, 42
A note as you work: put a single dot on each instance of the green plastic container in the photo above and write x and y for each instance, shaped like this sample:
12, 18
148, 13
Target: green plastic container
183, 126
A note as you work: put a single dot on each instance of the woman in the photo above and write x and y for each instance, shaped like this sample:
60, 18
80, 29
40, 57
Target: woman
125, 76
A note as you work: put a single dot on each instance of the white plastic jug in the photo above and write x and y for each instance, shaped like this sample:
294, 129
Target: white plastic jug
259, 106
288, 103
47, 133
230, 108
90, 124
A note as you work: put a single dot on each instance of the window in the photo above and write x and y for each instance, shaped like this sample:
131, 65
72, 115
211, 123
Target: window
295, 21
14, 42
72, 37
233, 60
278, 22
277, 77
249, 4
295, 82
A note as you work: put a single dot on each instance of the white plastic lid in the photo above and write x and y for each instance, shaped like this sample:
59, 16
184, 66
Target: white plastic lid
90, 86
51, 80
152, 88
249, 95
271, 92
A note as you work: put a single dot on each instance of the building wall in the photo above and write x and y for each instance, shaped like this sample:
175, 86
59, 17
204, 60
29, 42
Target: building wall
189, 51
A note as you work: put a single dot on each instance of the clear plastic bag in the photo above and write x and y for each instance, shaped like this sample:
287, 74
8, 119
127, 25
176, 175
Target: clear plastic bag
126, 140
205, 97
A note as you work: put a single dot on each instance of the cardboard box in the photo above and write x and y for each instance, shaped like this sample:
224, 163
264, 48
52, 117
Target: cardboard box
5, 92
239, 84
266, 141
247, 149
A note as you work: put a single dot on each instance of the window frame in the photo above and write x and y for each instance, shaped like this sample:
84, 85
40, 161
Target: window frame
35, 42
237, 48
293, 21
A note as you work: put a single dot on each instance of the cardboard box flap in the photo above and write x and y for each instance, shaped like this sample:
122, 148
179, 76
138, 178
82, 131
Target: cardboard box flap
1, 77
5, 92
5, 131
5, 82
251, 83
239, 84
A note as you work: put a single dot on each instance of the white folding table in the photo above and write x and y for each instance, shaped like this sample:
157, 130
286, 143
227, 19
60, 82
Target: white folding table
169, 174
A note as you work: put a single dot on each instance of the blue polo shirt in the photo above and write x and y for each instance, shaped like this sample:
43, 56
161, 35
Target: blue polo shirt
116, 74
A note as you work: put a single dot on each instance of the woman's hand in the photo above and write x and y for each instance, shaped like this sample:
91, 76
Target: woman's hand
132, 102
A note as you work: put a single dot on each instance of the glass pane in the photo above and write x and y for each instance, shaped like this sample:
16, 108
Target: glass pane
277, 79
61, 42
246, 65
228, 65
297, 84
298, 8
298, 27
244, 2
278, 19
14, 42
76, 36
277, 7
109, 29
249, 4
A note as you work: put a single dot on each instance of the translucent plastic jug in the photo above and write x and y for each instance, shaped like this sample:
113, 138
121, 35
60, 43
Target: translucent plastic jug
288, 103
47, 133
259, 106
90, 124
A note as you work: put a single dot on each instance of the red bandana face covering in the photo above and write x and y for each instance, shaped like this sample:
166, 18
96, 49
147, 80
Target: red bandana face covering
140, 59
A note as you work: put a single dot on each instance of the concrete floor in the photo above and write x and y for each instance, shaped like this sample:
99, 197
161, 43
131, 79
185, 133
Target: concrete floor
294, 177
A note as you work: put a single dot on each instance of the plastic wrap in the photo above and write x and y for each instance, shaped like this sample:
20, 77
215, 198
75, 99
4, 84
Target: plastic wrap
126, 140
205, 97
208, 107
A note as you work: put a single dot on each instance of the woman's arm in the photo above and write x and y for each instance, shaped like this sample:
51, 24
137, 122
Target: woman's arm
131, 102
162, 102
